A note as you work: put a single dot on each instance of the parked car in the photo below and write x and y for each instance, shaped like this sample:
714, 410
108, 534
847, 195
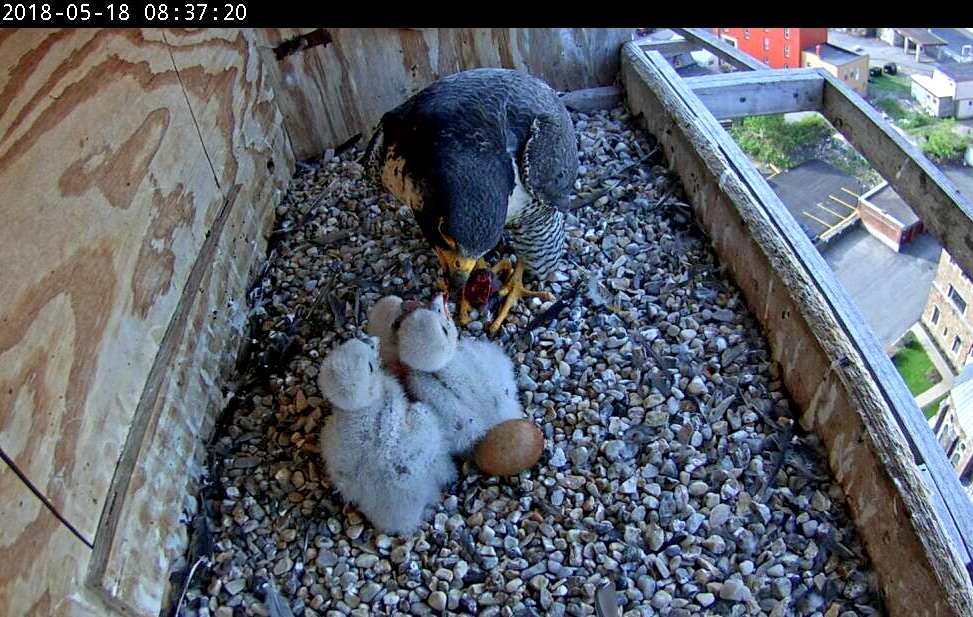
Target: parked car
875, 72
891, 68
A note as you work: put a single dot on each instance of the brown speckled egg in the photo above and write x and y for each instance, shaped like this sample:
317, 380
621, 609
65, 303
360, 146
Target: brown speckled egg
509, 448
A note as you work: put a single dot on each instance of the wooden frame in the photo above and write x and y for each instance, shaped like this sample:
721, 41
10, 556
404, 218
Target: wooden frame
933, 196
909, 507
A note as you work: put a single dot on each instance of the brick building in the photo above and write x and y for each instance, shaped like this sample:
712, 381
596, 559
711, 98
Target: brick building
947, 314
778, 47
887, 217
953, 425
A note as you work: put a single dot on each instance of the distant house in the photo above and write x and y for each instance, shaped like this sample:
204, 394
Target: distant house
958, 79
935, 97
887, 217
947, 313
908, 38
953, 425
958, 47
780, 48
846, 65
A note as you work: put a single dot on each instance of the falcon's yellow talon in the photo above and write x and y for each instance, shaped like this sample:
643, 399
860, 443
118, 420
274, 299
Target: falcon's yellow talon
512, 291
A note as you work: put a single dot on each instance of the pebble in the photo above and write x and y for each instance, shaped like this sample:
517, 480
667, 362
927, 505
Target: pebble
661, 599
653, 387
734, 590
719, 515
437, 601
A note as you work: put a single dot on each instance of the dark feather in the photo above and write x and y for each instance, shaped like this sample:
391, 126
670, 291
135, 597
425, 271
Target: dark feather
276, 605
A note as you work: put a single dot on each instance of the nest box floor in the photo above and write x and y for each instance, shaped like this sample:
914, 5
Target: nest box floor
673, 462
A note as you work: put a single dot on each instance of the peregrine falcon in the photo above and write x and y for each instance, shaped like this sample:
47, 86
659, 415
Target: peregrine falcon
476, 153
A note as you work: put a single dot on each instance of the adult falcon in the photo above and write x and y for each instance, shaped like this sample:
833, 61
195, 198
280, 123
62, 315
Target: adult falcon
476, 153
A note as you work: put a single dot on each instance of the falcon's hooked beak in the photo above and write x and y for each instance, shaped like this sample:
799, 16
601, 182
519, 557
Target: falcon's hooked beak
457, 266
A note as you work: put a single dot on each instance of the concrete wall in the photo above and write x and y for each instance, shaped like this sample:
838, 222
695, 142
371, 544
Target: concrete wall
950, 322
964, 109
890, 36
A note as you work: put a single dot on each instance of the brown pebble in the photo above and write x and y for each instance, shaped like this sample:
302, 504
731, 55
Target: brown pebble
509, 448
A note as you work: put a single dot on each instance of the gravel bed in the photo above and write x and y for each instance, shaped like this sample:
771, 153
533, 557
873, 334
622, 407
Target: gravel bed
673, 465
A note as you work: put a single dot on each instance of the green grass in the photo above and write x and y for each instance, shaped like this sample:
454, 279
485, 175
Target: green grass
931, 409
890, 84
916, 368
772, 140
892, 107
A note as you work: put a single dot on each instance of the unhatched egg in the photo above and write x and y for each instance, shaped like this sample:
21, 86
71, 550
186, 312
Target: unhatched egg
509, 448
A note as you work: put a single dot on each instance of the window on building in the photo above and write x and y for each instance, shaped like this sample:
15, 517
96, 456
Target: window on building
935, 314
746, 33
956, 344
787, 50
787, 65
945, 330
857, 75
957, 299
766, 43
787, 33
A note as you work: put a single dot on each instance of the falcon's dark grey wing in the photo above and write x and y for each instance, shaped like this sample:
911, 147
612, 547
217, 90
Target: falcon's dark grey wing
549, 163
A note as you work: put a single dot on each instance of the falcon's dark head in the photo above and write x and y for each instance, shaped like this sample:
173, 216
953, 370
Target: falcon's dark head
464, 209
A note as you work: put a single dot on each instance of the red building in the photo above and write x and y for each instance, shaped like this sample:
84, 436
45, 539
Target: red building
778, 47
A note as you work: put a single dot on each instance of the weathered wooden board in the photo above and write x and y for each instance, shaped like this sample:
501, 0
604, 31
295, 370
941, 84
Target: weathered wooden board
344, 84
717, 46
815, 335
225, 82
43, 562
106, 195
755, 93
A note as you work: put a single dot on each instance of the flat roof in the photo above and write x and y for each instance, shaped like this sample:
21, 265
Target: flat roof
936, 88
833, 54
886, 199
923, 37
958, 71
805, 191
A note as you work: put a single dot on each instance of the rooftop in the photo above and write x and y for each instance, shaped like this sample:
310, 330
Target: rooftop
805, 190
936, 88
957, 71
833, 54
887, 200
954, 38
921, 36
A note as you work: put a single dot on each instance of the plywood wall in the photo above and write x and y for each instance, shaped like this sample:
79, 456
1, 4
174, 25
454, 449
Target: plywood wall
131, 162
139, 171
351, 76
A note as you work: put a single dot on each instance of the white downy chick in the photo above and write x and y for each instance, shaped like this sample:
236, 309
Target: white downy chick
382, 453
469, 384
381, 318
